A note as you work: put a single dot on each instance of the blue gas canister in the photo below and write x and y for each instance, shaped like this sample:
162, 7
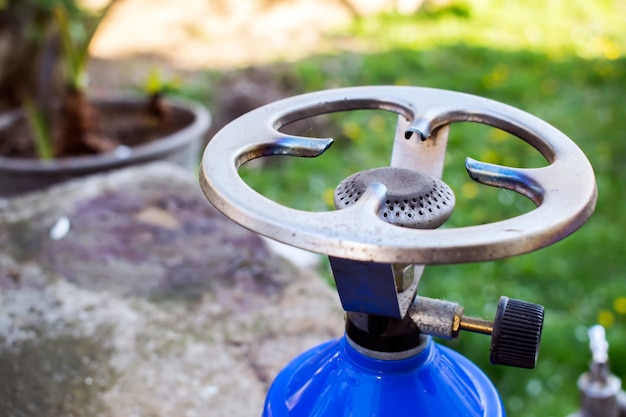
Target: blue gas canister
334, 379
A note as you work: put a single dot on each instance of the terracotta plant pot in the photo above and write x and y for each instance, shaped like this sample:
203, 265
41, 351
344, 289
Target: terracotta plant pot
182, 147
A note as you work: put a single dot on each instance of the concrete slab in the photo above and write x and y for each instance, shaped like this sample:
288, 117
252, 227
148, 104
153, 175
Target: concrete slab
127, 294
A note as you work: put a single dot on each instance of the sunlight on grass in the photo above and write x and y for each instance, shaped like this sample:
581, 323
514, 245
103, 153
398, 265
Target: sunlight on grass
558, 28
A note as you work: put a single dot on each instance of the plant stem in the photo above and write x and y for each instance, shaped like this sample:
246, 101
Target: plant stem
40, 129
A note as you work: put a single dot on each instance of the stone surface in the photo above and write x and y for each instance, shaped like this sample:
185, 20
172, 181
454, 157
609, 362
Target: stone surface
127, 294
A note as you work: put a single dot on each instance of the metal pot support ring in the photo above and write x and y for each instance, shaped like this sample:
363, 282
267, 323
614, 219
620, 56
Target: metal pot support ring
564, 191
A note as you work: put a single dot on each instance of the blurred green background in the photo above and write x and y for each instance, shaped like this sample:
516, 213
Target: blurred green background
563, 61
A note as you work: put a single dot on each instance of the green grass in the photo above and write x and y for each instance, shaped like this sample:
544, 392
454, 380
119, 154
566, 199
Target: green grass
563, 61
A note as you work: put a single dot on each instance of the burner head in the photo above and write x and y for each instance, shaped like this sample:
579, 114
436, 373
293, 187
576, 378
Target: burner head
414, 200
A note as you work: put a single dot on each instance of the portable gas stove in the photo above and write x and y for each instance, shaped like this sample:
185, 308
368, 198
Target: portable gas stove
384, 231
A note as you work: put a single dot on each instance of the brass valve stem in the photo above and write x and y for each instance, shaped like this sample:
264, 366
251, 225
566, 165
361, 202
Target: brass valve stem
476, 325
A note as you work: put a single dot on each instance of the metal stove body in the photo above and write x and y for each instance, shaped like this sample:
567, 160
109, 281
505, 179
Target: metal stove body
384, 230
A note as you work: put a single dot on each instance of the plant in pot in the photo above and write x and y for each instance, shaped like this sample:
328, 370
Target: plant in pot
61, 134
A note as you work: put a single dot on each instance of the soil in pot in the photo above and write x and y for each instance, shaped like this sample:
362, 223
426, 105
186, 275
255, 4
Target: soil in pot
131, 137
110, 125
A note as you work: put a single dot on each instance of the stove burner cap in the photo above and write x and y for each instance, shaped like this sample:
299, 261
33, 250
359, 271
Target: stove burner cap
414, 200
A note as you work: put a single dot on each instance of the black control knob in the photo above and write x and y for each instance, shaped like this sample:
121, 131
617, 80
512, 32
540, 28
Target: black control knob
516, 333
